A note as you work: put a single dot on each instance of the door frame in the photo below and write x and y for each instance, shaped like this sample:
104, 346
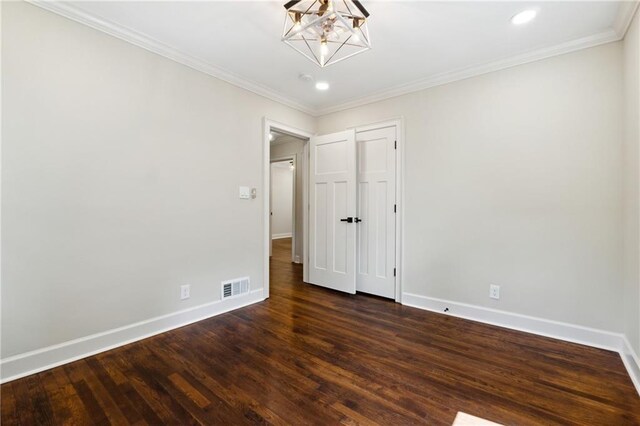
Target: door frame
293, 159
267, 126
398, 123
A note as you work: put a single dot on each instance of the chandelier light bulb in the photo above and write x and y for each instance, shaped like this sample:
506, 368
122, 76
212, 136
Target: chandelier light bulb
324, 48
297, 22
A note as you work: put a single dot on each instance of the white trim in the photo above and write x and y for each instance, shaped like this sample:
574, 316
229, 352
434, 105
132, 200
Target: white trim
267, 125
305, 213
626, 11
631, 362
281, 236
144, 41
398, 123
473, 71
1, 145
38, 360
559, 330
294, 205
620, 26
543, 327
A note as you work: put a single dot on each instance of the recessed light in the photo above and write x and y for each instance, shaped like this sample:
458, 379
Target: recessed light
322, 85
524, 17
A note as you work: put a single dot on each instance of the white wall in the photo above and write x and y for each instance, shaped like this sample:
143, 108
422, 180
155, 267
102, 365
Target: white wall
631, 183
513, 178
120, 175
281, 200
295, 147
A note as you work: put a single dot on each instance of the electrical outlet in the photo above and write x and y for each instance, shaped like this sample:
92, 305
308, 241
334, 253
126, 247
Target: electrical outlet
185, 292
494, 291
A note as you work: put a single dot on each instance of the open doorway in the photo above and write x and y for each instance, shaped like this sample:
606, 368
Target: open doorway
286, 153
286, 192
283, 202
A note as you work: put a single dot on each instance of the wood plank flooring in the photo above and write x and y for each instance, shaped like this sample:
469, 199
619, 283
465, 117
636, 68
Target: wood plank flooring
312, 356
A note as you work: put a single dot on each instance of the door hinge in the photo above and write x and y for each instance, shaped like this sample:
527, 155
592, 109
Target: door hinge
395, 207
395, 144
394, 272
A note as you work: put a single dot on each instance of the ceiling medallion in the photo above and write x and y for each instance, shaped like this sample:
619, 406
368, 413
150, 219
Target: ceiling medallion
326, 31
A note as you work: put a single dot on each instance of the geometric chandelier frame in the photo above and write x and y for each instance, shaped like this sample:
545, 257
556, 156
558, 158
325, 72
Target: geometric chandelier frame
326, 31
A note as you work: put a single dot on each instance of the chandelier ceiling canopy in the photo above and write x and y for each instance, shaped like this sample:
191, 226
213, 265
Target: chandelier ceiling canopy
326, 31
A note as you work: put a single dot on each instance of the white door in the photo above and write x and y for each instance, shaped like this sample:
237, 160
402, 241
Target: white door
332, 207
376, 238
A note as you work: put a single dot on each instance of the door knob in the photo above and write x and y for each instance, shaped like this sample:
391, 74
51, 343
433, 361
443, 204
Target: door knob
348, 220
356, 220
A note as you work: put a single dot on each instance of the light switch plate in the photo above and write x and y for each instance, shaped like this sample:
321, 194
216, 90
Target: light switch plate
245, 193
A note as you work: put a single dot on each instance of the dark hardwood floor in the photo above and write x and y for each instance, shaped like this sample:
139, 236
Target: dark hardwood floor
312, 356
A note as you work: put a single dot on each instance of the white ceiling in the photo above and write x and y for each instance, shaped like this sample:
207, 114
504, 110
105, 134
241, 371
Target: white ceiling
415, 44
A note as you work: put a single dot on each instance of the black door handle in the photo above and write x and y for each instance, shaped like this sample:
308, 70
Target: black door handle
356, 220
348, 220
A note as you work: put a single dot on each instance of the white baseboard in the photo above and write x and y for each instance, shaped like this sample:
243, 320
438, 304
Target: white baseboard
38, 360
631, 362
555, 329
279, 236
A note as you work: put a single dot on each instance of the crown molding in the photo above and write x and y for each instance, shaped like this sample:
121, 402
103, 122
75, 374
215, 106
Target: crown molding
462, 74
152, 45
622, 22
626, 11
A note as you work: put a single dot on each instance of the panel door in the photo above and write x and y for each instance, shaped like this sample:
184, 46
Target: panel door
332, 207
376, 236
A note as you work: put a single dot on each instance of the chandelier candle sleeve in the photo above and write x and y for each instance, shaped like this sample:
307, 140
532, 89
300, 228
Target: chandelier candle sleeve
326, 31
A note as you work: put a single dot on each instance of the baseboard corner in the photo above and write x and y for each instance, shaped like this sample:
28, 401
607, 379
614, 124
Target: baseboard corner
631, 362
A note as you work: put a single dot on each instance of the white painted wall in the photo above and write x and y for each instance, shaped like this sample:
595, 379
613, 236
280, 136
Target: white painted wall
631, 183
513, 178
281, 200
120, 175
295, 147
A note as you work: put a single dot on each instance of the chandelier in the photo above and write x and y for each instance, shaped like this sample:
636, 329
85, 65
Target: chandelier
326, 31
